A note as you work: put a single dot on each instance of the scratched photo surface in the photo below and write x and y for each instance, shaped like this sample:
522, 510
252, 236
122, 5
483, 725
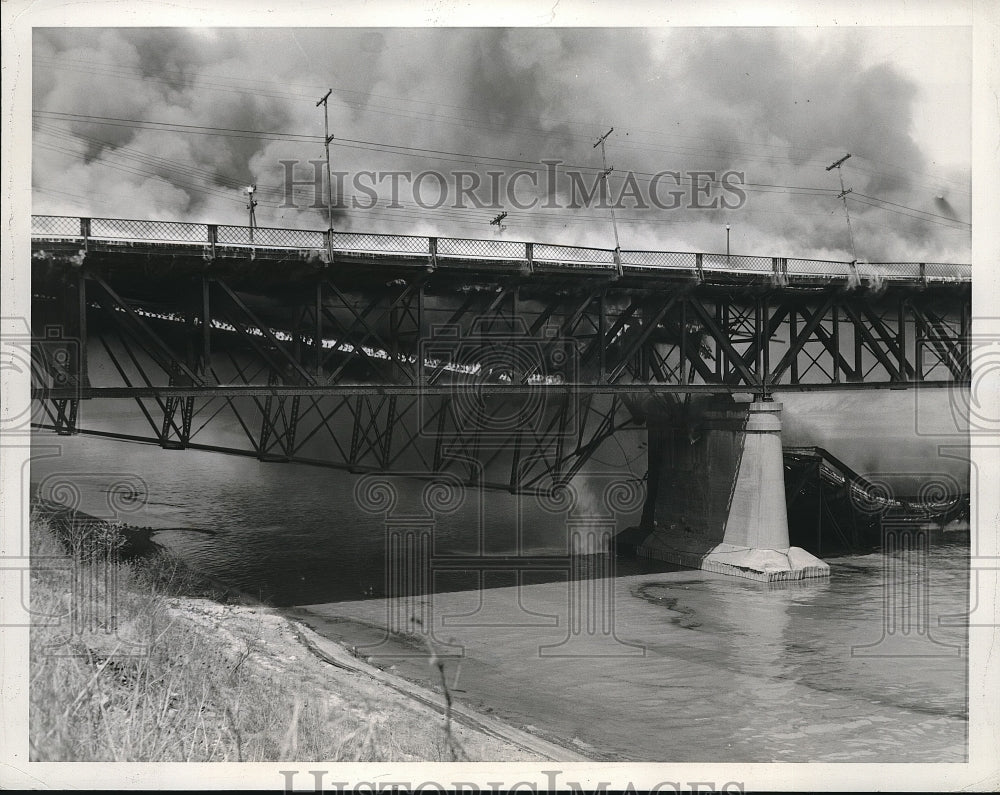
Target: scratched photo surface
500, 394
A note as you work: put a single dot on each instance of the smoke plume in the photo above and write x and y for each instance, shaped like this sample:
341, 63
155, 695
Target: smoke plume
777, 105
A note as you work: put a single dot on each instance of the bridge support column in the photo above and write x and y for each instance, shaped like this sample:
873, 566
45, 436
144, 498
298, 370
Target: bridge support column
719, 500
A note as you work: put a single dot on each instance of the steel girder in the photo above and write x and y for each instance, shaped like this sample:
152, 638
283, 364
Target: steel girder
507, 374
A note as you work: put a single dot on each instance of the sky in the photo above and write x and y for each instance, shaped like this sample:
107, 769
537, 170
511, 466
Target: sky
173, 124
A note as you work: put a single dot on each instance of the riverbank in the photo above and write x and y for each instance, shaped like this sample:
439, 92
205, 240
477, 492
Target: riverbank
136, 657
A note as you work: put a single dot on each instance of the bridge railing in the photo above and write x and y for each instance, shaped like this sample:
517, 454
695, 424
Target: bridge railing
58, 227
927, 271
268, 237
640, 260
481, 249
359, 243
817, 267
737, 263
55, 226
147, 231
578, 256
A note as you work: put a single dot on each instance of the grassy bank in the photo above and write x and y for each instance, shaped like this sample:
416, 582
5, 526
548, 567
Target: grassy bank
134, 657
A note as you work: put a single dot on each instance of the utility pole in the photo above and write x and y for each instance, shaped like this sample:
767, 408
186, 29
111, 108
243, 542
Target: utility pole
843, 195
604, 176
326, 144
497, 222
251, 205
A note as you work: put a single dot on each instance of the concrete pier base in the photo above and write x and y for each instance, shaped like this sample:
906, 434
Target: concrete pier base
718, 496
764, 565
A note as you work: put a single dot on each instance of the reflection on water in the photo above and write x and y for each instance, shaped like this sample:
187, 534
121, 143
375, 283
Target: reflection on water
698, 667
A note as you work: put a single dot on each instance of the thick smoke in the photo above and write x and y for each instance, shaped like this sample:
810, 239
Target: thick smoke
776, 104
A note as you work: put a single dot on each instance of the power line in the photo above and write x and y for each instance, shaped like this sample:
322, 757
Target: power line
140, 156
864, 219
145, 173
234, 86
925, 212
935, 182
419, 211
915, 217
174, 126
427, 152
472, 158
159, 164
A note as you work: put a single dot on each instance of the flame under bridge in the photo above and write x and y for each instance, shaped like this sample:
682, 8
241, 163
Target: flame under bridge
506, 363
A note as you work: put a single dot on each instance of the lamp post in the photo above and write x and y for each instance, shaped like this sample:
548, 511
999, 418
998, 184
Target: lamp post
251, 205
727, 244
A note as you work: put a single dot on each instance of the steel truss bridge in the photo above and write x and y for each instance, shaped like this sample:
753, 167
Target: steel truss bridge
507, 363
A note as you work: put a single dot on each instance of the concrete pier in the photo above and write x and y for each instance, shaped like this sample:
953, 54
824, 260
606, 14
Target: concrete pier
716, 496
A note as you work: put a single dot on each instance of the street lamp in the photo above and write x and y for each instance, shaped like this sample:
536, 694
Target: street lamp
251, 205
727, 244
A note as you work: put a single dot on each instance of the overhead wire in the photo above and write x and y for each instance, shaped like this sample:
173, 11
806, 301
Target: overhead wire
301, 193
180, 175
949, 224
246, 86
478, 159
440, 154
467, 158
903, 206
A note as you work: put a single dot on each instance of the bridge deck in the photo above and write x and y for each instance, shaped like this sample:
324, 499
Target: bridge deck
222, 242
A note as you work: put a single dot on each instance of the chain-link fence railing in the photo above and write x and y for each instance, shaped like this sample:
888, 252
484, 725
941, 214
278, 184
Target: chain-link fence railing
905, 271
931, 271
948, 271
151, 231
818, 267
659, 259
573, 255
737, 263
481, 249
269, 237
234, 235
55, 226
355, 243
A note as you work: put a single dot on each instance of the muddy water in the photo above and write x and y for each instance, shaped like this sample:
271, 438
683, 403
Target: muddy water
701, 667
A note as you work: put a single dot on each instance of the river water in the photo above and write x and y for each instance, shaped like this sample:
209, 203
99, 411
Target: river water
667, 664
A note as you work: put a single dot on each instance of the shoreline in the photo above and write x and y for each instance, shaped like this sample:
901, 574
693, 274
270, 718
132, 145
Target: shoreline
566, 748
276, 640
335, 653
